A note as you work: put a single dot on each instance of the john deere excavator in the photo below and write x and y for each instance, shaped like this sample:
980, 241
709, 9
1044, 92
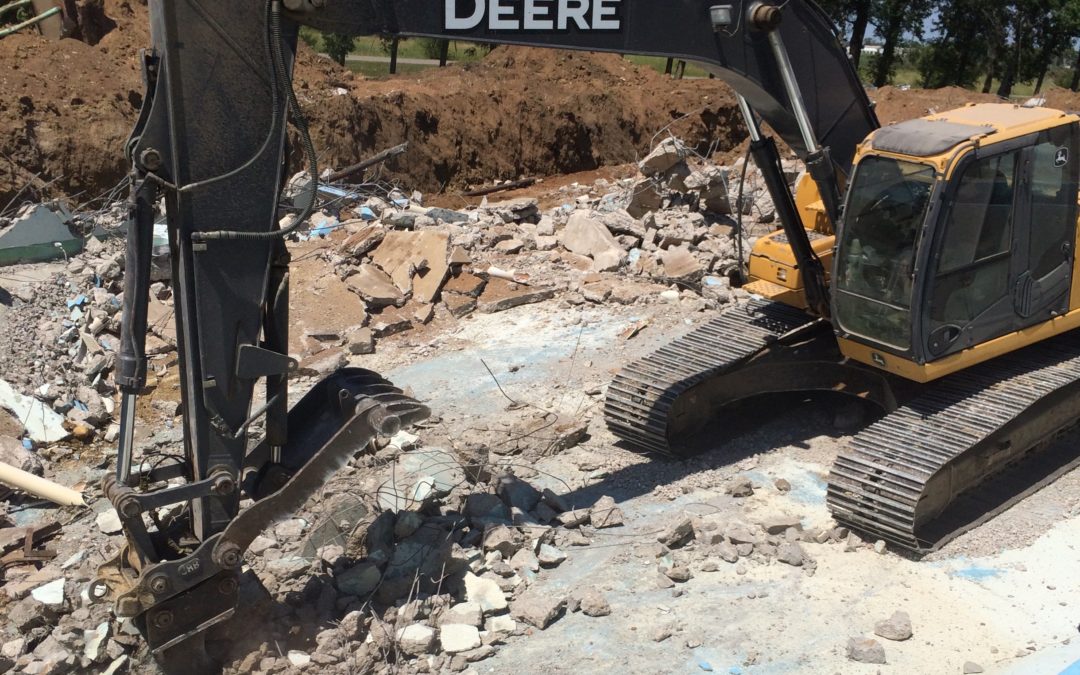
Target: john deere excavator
926, 267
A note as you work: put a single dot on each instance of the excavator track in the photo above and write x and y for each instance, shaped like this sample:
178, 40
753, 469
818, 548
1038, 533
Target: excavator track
961, 450
643, 396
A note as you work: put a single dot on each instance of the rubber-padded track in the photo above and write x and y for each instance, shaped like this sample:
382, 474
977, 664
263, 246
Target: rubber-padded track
642, 395
877, 484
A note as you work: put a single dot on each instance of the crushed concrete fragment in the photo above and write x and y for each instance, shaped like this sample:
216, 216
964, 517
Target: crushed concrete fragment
484, 592
677, 534
108, 522
896, 628
605, 513
457, 637
467, 613
791, 554
679, 574
574, 518
865, 650
538, 608
727, 552
416, 639
593, 603
549, 556
360, 580
780, 524
740, 487
50, 594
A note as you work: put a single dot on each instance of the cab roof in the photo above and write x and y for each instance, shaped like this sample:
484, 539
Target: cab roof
934, 134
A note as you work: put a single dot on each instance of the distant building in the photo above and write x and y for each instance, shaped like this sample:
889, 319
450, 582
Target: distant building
873, 49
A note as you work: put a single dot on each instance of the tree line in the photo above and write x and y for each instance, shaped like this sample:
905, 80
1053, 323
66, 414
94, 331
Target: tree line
973, 43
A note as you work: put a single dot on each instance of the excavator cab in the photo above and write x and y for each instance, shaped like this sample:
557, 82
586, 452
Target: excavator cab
958, 237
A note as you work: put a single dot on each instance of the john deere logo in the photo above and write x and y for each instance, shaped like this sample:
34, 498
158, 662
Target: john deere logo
1061, 157
534, 15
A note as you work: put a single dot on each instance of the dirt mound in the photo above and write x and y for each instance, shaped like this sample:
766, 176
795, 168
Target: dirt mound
520, 111
897, 105
68, 107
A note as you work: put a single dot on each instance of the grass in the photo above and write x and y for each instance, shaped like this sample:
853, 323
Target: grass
658, 63
376, 70
461, 51
912, 78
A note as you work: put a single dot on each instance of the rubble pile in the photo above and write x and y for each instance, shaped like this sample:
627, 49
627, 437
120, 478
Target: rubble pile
413, 554
60, 336
433, 569
669, 235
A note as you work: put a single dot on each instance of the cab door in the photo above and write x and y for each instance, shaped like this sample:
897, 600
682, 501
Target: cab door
1003, 247
1051, 171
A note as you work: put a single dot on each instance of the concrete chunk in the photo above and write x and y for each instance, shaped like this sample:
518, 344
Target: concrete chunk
586, 234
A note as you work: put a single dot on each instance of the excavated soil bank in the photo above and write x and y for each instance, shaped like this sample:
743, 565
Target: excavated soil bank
67, 108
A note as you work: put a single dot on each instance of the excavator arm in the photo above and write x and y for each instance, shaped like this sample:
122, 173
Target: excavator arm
210, 143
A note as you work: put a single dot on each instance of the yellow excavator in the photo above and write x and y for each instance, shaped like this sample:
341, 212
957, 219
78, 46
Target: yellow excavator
927, 268
951, 296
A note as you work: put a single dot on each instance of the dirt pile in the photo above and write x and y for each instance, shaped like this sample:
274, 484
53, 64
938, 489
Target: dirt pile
896, 105
68, 107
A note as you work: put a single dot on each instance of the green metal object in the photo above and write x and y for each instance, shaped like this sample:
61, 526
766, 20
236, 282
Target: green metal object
29, 22
41, 234
14, 5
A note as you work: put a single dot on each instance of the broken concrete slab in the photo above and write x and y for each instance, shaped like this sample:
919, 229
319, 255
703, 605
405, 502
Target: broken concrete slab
42, 424
464, 283
538, 608
665, 156
586, 234
416, 260
364, 240
375, 287
500, 295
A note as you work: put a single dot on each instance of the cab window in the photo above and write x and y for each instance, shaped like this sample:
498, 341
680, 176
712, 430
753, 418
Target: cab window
974, 261
1054, 171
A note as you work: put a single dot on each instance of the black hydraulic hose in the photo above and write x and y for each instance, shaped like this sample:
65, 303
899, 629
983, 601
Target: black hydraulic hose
282, 81
275, 101
131, 357
739, 215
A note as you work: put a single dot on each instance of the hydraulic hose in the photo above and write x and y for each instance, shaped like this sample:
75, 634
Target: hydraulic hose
279, 80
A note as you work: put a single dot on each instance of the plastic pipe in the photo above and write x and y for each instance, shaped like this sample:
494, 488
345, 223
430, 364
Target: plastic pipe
39, 487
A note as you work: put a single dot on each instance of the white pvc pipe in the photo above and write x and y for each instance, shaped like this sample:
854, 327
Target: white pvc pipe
39, 487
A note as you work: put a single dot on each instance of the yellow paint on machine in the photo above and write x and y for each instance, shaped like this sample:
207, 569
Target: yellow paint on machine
773, 262
969, 357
